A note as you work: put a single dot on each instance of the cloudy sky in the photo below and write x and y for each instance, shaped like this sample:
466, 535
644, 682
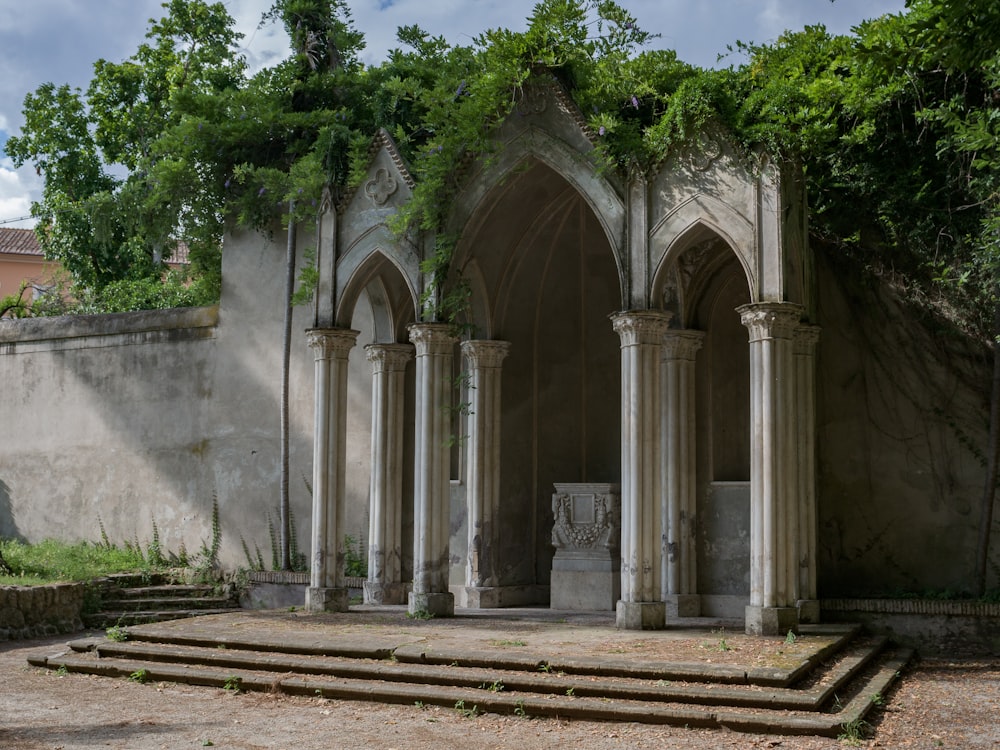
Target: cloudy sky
59, 40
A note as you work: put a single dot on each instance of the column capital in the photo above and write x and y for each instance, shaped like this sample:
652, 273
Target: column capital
485, 352
806, 338
771, 320
331, 343
432, 338
641, 326
682, 344
388, 357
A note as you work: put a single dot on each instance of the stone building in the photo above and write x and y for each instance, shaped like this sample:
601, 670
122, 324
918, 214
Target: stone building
660, 400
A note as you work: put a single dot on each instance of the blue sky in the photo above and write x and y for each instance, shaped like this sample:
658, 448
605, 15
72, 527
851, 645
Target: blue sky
59, 40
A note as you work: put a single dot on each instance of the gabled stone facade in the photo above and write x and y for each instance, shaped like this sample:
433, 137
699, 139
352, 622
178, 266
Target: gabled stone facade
591, 295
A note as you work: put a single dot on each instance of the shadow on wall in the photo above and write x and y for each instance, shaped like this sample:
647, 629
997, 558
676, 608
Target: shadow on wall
8, 529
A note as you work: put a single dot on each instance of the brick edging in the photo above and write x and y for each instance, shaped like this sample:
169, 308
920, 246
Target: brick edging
913, 607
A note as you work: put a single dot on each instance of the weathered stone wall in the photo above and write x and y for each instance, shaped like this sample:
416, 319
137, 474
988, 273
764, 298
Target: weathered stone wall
35, 611
136, 419
902, 411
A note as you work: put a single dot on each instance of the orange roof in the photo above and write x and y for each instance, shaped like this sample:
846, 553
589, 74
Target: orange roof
19, 242
24, 242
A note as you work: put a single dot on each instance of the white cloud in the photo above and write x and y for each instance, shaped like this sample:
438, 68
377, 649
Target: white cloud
15, 194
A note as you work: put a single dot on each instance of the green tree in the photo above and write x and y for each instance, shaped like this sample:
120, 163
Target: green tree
106, 229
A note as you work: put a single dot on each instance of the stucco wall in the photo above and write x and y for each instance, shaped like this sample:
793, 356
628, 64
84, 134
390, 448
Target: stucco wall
901, 429
143, 418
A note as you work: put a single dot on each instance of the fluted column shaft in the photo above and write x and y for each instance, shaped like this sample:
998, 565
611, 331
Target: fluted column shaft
641, 333
331, 347
388, 361
774, 506
484, 360
806, 339
678, 470
432, 503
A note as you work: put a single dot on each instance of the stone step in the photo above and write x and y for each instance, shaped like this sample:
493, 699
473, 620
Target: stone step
864, 692
834, 639
172, 590
813, 698
111, 618
167, 603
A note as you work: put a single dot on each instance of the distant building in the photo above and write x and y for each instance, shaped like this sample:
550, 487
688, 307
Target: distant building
22, 260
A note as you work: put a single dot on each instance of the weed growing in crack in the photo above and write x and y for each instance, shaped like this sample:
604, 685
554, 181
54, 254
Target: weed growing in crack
468, 713
140, 676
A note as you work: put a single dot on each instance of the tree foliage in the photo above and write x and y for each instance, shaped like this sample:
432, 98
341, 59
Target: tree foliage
895, 124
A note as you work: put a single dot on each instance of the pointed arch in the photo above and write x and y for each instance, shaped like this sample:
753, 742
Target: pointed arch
368, 266
690, 222
534, 144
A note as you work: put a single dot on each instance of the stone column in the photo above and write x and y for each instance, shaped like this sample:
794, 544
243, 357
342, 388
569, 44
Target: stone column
678, 472
432, 497
774, 506
641, 332
384, 584
484, 359
326, 577
806, 339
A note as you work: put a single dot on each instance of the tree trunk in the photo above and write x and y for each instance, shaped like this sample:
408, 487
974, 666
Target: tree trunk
284, 511
992, 459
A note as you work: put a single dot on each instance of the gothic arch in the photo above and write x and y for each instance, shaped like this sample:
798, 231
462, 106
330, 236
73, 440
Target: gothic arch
367, 261
536, 145
691, 222
392, 296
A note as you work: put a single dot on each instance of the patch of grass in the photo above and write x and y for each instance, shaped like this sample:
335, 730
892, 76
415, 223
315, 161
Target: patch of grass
853, 732
494, 687
420, 614
233, 684
505, 643
52, 561
116, 633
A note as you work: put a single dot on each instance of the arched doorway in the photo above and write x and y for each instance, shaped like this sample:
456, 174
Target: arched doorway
545, 280
723, 444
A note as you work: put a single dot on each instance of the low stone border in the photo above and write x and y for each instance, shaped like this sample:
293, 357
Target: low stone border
36, 611
935, 627
914, 607
287, 576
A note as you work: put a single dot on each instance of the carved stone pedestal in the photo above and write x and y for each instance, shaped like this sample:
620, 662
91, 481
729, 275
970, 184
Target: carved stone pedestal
586, 569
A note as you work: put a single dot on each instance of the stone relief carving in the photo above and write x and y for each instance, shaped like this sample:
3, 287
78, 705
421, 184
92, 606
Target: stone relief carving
585, 520
533, 102
706, 153
381, 187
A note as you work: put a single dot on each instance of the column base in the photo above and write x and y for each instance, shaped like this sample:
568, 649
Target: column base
808, 611
640, 616
376, 592
683, 605
434, 604
326, 599
771, 620
482, 597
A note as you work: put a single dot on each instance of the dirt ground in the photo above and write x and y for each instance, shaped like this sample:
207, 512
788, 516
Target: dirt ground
937, 704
